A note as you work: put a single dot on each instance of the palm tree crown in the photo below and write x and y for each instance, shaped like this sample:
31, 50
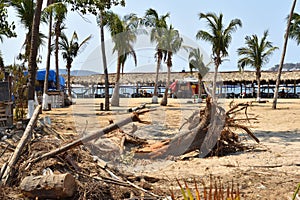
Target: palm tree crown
171, 42
295, 28
123, 32
196, 61
25, 12
219, 36
256, 53
70, 49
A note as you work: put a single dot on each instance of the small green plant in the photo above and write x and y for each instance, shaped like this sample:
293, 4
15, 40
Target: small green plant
215, 191
296, 192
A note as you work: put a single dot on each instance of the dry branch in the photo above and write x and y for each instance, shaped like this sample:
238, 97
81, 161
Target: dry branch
132, 118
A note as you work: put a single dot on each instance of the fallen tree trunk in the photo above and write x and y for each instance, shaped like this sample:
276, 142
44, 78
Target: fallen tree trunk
53, 186
19, 149
132, 118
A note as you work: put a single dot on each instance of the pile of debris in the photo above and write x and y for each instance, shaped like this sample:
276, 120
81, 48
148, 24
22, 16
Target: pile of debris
45, 164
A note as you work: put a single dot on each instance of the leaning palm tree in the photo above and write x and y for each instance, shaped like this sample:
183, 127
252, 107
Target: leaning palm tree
255, 54
286, 37
123, 33
220, 37
70, 50
196, 63
158, 25
172, 42
25, 12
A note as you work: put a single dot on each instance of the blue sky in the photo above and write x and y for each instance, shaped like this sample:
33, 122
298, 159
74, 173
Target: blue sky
256, 16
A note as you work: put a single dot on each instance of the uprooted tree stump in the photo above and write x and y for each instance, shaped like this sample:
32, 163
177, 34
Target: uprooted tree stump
209, 131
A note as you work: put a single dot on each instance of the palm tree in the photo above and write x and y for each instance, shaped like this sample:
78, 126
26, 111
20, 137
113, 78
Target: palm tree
171, 44
70, 50
49, 14
98, 9
196, 63
283, 54
25, 11
32, 67
158, 24
220, 37
123, 33
294, 32
255, 54
101, 24
60, 11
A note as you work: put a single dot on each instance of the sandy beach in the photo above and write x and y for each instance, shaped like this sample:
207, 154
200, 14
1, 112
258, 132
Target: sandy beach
269, 170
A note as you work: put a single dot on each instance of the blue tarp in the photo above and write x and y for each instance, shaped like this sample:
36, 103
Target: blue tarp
40, 76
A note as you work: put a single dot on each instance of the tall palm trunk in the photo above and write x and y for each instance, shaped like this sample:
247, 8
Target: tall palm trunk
46, 84
217, 62
215, 83
69, 79
258, 75
57, 35
164, 101
104, 63
199, 87
155, 93
32, 58
115, 100
286, 36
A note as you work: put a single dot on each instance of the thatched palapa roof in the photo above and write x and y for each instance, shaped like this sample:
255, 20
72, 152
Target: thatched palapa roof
233, 77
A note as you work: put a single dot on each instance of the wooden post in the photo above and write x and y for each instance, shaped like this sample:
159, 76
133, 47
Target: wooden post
295, 87
19, 149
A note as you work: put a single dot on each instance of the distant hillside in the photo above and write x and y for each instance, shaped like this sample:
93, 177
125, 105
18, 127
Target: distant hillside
287, 67
78, 72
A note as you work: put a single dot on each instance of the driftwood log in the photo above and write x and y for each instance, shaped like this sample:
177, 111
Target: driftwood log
52, 186
204, 133
7, 172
